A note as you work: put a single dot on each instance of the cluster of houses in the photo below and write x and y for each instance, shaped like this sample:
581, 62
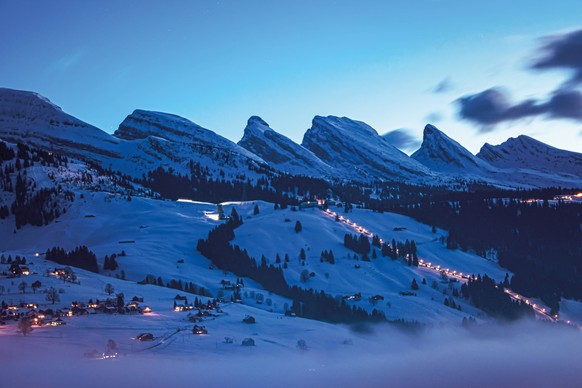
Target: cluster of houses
53, 317
207, 309
38, 317
65, 274
110, 306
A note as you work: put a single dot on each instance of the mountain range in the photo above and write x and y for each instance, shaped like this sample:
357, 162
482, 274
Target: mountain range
333, 147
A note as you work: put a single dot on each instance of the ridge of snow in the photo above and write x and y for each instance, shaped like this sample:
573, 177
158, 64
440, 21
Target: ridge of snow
441, 153
356, 147
525, 152
281, 152
142, 124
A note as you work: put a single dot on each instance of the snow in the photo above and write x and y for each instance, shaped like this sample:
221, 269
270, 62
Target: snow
165, 232
269, 233
356, 147
146, 140
282, 153
522, 162
333, 148
141, 124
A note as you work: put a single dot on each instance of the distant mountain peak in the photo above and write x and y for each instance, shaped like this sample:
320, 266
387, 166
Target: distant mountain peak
528, 153
357, 148
281, 152
23, 96
441, 153
143, 123
257, 120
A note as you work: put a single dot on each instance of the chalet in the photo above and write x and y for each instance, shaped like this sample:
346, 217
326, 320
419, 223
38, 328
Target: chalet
308, 205
182, 306
55, 322
249, 319
132, 308
138, 299
145, 337
248, 342
198, 330
356, 297
132, 305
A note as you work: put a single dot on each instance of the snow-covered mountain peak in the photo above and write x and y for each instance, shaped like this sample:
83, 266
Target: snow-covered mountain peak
441, 153
356, 147
32, 100
256, 126
528, 153
33, 119
142, 124
342, 124
256, 120
281, 152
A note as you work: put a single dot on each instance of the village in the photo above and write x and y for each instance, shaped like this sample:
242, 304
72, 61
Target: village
42, 307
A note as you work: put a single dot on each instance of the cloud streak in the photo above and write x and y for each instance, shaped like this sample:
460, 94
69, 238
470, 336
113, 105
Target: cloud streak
562, 52
403, 139
446, 85
493, 106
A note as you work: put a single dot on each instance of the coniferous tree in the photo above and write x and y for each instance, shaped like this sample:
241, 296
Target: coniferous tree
298, 227
414, 285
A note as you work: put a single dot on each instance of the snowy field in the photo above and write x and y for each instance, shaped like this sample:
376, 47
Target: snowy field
159, 238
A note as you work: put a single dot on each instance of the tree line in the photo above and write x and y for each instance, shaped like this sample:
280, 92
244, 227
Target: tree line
306, 303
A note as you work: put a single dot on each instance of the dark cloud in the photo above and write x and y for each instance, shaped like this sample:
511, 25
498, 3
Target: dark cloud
403, 139
446, 85
562, 52
566, 104
493, 106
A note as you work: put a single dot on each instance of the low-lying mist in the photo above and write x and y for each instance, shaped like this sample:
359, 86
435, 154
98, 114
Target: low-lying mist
525, 354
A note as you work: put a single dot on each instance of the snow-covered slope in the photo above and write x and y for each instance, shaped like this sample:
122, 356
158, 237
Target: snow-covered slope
441, 153
521, 162
161, 139
142, 124
528, 153
356, 147
30, 118
144, 141
281, 152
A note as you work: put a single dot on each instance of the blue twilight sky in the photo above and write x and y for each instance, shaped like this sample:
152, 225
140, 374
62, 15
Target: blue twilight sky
393, 64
